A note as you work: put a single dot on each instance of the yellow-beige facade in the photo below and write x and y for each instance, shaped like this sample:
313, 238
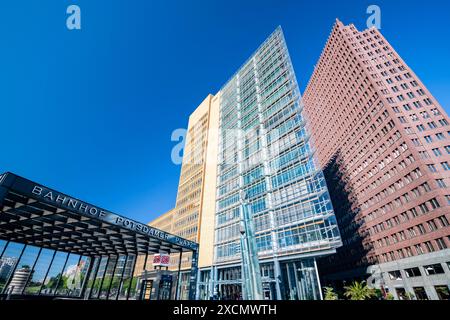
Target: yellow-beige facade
193, 215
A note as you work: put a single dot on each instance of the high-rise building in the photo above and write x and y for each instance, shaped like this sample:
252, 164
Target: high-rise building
7, 266
251, 137
19, 280
264, 150
384, 143
192, 217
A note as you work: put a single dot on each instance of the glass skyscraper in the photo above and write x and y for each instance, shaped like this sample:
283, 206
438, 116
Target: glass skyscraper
266, 151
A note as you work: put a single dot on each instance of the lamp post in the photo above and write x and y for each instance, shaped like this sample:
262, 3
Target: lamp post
251, 271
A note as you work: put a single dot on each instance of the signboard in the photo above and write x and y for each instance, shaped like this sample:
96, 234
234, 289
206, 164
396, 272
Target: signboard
161, 260
71, 204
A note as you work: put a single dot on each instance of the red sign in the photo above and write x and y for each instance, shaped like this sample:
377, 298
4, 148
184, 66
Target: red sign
162, 260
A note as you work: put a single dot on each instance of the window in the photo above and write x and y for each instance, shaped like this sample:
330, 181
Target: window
420, 293
423, 207
443, 221
428, 139
431, 225
434, 269
437, 152
424, 155
435, 112
421, 229
445, 165
413, 272
429, 246
443, 292
419, 249
401, 294
440, 136
431, 167
427, 101
441, 244
441, 183
434, 203
417, 104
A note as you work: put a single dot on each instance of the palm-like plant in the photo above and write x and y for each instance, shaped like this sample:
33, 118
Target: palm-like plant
358, 291
330, 294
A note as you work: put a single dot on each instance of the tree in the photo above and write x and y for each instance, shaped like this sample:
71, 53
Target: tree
330, 294
389, 296
358, 291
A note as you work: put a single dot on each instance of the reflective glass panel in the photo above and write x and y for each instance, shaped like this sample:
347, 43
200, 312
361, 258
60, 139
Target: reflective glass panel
24, 270
98, 277
108, 277
8, 262
127, 278
54, 274
39, 271
67, 278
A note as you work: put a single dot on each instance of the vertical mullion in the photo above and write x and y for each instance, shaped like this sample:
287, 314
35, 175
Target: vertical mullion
88, 275
103, 278
178, 276
4, 249
112, 276
143, 269
132, 276
121, 277
78, 266
46, 273
61, 274
95, 276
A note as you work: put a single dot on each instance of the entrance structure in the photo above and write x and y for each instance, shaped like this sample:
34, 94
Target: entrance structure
54, 245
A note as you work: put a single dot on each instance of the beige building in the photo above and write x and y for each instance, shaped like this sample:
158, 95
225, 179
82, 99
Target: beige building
195, 205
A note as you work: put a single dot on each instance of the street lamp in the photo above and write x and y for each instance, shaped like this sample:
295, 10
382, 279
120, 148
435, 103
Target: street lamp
251, 271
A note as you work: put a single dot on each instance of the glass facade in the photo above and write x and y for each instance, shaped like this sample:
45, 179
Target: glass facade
30, 270
265, 150
56, 246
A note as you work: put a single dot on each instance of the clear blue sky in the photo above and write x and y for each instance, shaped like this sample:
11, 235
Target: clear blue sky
90, 113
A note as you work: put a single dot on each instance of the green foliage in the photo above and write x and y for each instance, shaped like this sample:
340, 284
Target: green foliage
359, 291
389, 296
409, 296
330, 294
378, 294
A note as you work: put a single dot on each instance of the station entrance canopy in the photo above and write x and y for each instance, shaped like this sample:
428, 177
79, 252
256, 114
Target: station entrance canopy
35, 215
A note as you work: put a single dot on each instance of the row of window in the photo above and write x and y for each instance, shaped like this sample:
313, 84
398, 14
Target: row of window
418, 249
431, 225
430, 270
422, 209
